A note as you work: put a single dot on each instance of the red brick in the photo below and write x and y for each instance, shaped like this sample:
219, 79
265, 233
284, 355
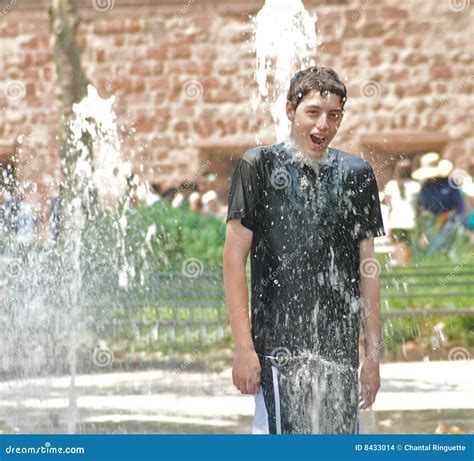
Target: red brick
436, 122
181, 126
141, 69
162, 113
415, 58
30, 44
372, 29
179, 52
119, 40
100, 55
416, 27
393, 13
120, 84
138, 85
241, 37
220, 97
159, 53
441, 71
352, 14
399, 91
228, 68
395, 75
108, 27
134, 25
331, 47
421, 106
396, 41
145, 124
375, 58
30, 89
9, 30
138, 40
418, 89
203, 127
13, 73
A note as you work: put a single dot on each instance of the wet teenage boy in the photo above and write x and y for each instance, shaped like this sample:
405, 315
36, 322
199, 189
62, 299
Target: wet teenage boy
306, 214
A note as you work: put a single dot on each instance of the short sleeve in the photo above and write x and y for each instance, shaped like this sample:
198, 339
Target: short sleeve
243, 195
369, 215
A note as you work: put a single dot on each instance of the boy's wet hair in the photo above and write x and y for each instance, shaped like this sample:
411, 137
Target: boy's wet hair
319, 78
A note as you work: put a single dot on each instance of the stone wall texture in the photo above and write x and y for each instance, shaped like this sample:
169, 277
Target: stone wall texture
183, 77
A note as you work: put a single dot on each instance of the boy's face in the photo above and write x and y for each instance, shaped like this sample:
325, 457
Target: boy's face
315, 121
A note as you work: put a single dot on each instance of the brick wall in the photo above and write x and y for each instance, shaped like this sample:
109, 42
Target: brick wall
182, 74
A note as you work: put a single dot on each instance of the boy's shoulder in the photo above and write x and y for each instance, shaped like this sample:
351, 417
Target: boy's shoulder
352, 163
258, 153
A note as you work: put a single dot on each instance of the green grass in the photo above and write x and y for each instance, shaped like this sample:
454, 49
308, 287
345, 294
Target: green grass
457, 329
182, 235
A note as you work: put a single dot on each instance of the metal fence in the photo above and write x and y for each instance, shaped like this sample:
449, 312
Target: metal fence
172, 305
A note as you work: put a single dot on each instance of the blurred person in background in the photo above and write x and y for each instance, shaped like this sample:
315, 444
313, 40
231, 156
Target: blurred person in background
441, 199
401, 195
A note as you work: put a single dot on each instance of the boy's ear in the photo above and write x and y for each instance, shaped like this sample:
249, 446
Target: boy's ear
290, 112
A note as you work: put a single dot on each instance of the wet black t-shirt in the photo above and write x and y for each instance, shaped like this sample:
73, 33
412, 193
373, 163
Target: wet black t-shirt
307, 224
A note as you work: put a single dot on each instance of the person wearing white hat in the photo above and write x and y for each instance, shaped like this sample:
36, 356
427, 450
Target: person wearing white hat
431, 166
402, 193
440, 197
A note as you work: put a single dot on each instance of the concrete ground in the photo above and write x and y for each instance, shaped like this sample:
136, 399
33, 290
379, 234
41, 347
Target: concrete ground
414, 397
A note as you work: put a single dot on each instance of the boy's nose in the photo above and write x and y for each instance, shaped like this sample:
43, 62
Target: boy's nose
322, 122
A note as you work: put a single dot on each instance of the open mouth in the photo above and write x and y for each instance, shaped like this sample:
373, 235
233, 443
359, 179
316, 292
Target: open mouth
318, 140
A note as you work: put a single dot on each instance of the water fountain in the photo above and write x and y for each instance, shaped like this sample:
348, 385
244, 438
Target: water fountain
48, 325
50, 322
280, 55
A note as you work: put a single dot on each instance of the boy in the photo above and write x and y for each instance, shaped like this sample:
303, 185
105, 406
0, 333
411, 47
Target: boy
307, 213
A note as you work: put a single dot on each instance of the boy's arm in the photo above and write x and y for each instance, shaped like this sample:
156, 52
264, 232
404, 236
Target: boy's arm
370, 294
246, 366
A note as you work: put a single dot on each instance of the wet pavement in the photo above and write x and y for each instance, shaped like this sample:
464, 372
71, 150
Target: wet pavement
415, 397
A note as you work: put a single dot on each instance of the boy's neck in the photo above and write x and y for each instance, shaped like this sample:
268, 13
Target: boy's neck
294, 149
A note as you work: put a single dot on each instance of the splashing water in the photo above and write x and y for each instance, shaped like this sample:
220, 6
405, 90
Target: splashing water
108, 172
319, 394
285, 41
49, 313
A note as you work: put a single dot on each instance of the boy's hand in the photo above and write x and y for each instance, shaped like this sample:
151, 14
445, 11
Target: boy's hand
246, 371
370, 383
